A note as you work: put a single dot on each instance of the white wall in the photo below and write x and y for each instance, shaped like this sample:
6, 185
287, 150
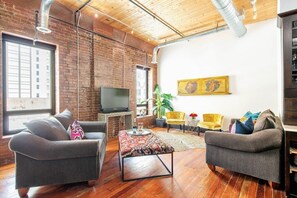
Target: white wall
286, 5
251, 62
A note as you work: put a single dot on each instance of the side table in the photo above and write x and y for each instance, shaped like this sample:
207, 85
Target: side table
192, 124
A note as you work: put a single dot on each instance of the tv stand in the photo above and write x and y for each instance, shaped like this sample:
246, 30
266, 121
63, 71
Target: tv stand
125, 118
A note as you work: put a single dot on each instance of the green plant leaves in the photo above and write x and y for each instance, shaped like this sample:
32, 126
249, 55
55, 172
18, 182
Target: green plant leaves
162, 102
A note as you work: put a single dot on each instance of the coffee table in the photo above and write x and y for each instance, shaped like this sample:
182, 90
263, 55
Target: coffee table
145, 145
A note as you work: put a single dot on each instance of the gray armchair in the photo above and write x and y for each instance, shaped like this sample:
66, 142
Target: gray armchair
44, 160
258, 154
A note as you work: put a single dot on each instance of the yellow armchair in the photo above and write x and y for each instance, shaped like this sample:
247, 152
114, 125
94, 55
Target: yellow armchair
211, 122
175, 118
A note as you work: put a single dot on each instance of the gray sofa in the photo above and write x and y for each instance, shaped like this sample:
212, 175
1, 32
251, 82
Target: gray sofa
258, 154
45, 155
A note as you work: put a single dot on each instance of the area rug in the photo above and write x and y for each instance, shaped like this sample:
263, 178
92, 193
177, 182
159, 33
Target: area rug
181, 141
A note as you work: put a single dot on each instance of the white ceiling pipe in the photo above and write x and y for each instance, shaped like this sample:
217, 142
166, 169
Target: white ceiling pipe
44, 16
231, 16
188, 38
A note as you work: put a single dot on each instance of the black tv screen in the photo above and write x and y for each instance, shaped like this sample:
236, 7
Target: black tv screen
114, 99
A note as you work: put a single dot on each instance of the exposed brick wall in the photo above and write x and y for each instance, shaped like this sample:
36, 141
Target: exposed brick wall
148, 121
102, 62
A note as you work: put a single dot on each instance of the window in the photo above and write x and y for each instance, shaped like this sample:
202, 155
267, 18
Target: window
141, 90
37, 66
23, 99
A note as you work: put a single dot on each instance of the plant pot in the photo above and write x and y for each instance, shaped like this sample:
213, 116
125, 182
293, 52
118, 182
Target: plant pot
160, 122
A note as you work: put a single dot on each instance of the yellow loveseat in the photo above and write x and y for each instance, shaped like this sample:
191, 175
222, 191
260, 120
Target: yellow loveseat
175, 118
212, 122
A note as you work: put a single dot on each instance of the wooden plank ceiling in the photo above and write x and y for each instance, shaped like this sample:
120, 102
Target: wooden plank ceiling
186, 16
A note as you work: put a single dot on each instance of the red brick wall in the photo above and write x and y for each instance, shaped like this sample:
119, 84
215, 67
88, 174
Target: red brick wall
102, 62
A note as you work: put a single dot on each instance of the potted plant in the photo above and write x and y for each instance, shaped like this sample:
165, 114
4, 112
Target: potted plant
162, 103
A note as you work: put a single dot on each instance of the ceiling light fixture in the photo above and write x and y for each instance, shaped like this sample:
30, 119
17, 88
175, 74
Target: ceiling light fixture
132, 31
96, 15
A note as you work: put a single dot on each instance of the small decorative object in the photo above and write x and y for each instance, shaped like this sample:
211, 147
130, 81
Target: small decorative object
140, 127
204, 86
134, 129
193, 116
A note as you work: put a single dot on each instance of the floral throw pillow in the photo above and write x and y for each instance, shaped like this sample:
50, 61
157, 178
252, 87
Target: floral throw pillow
76, 132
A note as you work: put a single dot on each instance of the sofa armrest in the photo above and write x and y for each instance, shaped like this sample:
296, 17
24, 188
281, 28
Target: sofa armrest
93, 126
256, 142
41, 149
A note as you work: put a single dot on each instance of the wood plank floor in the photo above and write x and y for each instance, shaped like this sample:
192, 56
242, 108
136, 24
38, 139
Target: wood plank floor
191, 178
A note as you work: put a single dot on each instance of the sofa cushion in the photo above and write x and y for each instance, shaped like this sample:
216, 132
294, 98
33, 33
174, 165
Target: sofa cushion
266, 113
263, 123
175, 121
49, 128
243, 127
65, 118
95, 135
209, 125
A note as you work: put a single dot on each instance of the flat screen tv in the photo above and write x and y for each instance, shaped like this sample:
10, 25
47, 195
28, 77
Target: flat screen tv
114, 99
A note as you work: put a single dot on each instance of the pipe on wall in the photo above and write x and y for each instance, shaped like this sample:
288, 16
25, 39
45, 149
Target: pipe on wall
156, 49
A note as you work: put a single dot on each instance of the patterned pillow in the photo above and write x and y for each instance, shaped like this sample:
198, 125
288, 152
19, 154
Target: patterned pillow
246, 127
249, 114
245, 116
76, 132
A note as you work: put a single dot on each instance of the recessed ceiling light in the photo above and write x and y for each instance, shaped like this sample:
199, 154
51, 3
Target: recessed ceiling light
132, 32
96, 15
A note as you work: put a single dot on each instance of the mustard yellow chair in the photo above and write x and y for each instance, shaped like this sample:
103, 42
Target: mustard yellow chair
212, 122
175, 118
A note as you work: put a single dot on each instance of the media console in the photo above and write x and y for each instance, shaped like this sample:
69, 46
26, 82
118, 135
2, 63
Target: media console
126, 118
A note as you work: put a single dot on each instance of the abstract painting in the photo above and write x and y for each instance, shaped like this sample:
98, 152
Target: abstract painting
204, 86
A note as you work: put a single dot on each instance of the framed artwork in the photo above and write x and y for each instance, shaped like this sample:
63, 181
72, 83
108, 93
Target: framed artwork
218, 85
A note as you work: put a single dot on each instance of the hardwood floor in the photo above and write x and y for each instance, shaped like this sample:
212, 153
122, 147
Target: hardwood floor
191, 178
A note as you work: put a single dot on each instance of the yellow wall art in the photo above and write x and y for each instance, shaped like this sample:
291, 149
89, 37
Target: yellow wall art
218, 85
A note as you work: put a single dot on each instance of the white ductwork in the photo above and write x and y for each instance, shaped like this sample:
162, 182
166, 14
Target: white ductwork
188, 38
231, 16
44, 16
